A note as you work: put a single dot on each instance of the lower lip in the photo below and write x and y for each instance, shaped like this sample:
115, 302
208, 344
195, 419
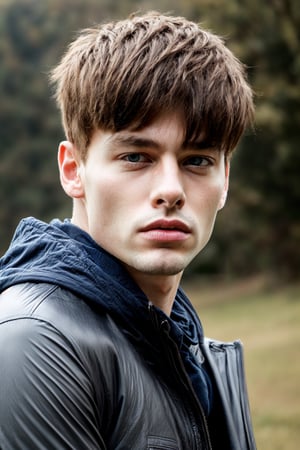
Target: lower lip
165, 235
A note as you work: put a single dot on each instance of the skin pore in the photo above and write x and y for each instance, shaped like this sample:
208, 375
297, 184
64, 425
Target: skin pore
148, 198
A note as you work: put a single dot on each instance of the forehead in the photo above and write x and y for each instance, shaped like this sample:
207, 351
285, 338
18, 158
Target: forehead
168, 129
164, 129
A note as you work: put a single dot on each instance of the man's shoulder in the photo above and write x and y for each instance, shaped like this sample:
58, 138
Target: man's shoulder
34, 300
48, 306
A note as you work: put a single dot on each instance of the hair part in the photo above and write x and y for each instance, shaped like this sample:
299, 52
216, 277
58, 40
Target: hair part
124, 74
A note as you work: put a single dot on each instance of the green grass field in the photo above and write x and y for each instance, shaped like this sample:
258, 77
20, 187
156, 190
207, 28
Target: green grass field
268, 323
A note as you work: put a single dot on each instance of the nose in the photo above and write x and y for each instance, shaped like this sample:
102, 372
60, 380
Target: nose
167, 188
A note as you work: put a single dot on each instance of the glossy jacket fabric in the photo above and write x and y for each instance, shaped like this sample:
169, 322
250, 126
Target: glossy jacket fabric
70, 379
78, 373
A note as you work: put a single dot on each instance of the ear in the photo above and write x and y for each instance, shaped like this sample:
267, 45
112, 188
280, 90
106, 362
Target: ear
68, 163
226, 185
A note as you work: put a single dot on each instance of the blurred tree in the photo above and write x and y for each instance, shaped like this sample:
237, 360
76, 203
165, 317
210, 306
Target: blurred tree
266, 182
33, 35
260, 227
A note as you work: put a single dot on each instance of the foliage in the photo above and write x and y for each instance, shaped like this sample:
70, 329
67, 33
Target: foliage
260, 227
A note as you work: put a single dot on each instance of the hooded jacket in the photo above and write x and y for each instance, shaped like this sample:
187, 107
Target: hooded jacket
87, 362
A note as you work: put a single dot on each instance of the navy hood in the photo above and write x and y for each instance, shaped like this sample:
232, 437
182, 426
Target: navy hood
63, 254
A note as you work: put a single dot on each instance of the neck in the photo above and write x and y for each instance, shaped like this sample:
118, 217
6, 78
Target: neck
159, 289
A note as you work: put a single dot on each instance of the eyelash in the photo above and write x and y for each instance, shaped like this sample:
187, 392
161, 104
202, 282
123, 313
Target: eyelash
186, 162
145, 158
208, 161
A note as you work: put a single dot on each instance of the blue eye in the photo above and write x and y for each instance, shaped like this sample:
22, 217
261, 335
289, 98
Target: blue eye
133, 157
197, 161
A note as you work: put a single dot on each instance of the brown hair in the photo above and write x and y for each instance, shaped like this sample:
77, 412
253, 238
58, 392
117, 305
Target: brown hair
123, 74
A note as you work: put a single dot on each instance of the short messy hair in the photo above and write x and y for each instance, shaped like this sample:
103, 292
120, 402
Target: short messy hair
123, 74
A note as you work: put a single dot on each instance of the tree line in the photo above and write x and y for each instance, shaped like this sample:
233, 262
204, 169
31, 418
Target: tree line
259, 229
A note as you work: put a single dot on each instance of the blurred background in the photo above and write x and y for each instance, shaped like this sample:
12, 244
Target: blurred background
246, 282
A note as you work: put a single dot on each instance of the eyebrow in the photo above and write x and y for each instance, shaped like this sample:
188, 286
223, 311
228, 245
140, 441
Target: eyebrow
134, 141
141, 142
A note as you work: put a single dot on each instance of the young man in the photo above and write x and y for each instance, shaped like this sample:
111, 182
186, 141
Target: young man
99, 346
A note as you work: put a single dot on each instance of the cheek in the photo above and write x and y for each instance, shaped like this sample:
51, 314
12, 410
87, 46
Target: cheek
107, 203
218, 193
208, 200
97, 196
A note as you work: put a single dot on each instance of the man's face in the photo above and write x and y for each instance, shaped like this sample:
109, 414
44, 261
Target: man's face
147, 198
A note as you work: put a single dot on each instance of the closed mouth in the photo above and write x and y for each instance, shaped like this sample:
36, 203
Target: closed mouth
163, 224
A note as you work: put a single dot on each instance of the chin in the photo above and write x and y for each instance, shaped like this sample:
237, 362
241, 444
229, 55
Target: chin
163, 266
164, 271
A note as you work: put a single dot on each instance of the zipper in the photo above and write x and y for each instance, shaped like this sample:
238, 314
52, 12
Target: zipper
177, 363
172, 352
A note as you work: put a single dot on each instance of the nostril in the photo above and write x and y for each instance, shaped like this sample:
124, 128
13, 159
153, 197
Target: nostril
170, 201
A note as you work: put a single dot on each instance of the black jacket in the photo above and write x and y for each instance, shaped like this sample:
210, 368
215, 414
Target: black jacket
76, 374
